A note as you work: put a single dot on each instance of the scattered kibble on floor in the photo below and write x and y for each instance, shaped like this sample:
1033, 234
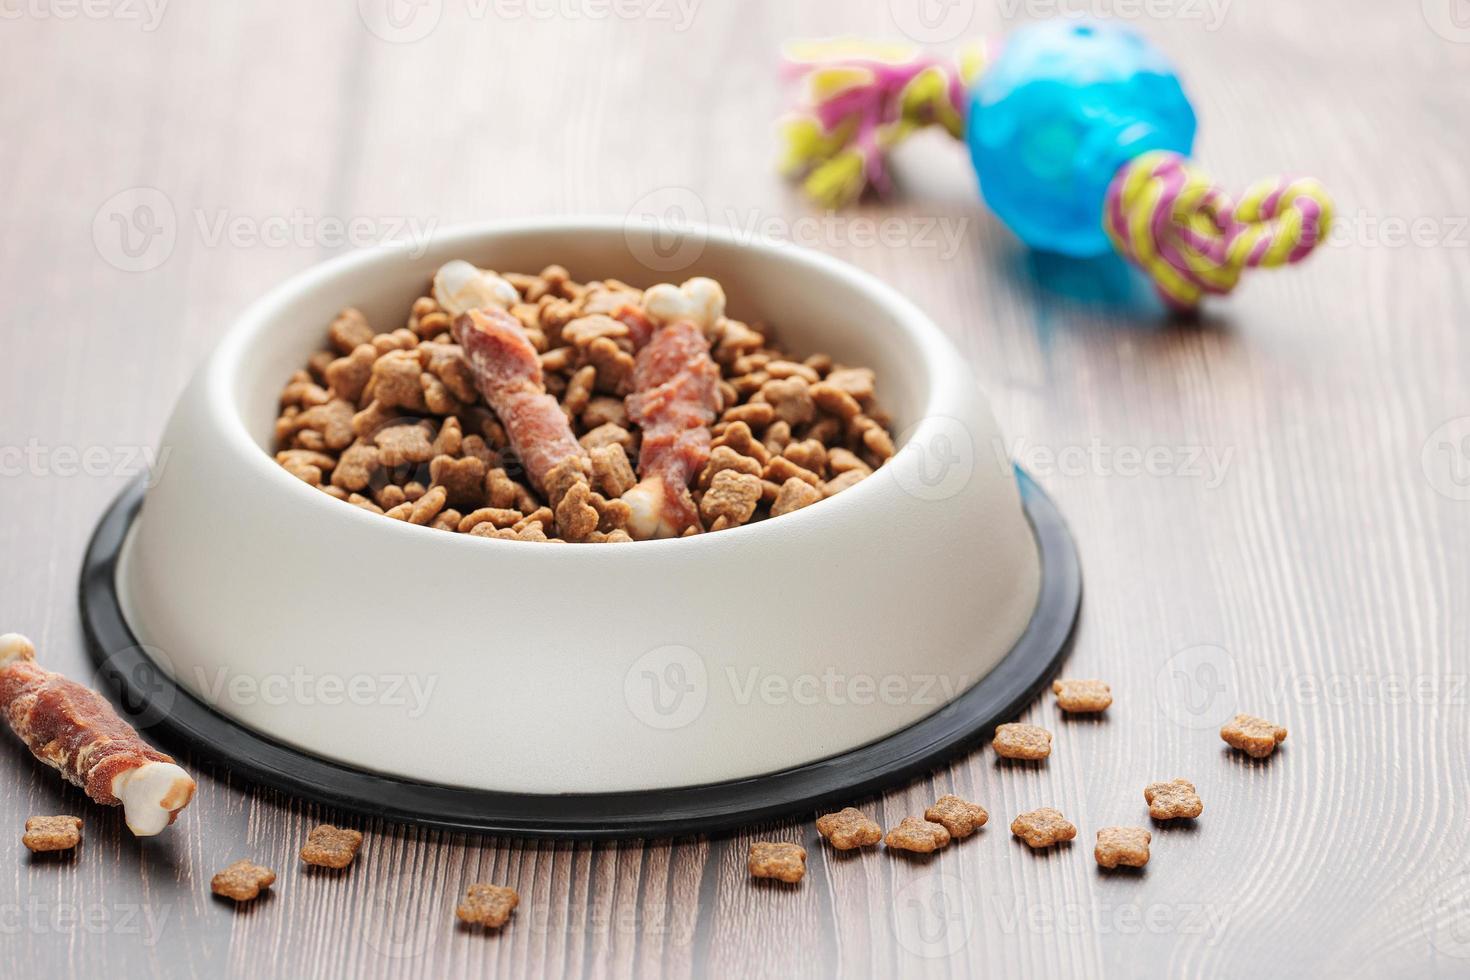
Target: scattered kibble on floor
917, 835
1256, 737
242, 881
1082, 697
777, 859
1016, 741
1172, 800
487, 905
1127, 846
331, 847
960, 817
849, 828
1043, 827
60, 833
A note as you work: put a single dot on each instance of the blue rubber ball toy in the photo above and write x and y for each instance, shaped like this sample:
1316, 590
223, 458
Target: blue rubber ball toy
1051, 121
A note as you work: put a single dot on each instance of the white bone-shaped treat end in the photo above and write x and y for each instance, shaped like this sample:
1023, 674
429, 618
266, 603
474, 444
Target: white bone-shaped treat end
646, 503
15, 647
700, 301
151, 794
460, 287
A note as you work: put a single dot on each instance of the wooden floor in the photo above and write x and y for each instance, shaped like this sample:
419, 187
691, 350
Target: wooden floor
1298, 548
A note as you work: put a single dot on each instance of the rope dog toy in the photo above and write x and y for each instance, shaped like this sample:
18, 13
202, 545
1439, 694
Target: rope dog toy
1080, 133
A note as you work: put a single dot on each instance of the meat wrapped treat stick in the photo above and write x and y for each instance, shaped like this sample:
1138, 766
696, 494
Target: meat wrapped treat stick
675, 398
75, 731
508, 373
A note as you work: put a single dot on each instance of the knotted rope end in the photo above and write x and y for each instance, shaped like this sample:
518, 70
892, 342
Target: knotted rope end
1191, 238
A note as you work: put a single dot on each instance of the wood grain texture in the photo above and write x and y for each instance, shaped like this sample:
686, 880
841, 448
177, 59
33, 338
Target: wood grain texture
1322, 561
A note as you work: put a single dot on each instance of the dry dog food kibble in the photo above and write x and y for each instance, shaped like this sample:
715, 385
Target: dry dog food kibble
1172, 800
331, 847
242, 881
52, 833
1043, 827
960, 817
1082, 696
1022, 742
487, 905
1254, 736
777, 859
849, 828
1127, 846
539, 408
918, 835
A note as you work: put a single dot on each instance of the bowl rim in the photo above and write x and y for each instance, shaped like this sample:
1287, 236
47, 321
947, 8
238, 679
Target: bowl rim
941, 363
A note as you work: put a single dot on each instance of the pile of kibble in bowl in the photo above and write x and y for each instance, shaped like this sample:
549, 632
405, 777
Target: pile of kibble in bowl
538, 408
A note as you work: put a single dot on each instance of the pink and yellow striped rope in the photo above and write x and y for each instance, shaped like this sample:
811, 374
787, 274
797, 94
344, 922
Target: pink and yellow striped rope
859, 101
1169, 219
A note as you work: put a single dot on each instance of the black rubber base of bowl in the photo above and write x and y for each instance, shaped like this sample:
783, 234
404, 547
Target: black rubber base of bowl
172, 716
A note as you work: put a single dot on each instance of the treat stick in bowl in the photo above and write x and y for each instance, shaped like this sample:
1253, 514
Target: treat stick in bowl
508, 374
507, 371
676, 396
75, 731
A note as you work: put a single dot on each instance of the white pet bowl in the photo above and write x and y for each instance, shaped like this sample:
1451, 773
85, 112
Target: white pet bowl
544, 669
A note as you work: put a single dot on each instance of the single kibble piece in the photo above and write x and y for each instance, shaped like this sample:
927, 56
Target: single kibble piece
52, 833
1022, 742
1254, 736
917, 835
1122, 845
849, 828
1043, 827
960, 817
242, 881
487, 905
777, 859
331, 847
1172, 800
1082, 696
